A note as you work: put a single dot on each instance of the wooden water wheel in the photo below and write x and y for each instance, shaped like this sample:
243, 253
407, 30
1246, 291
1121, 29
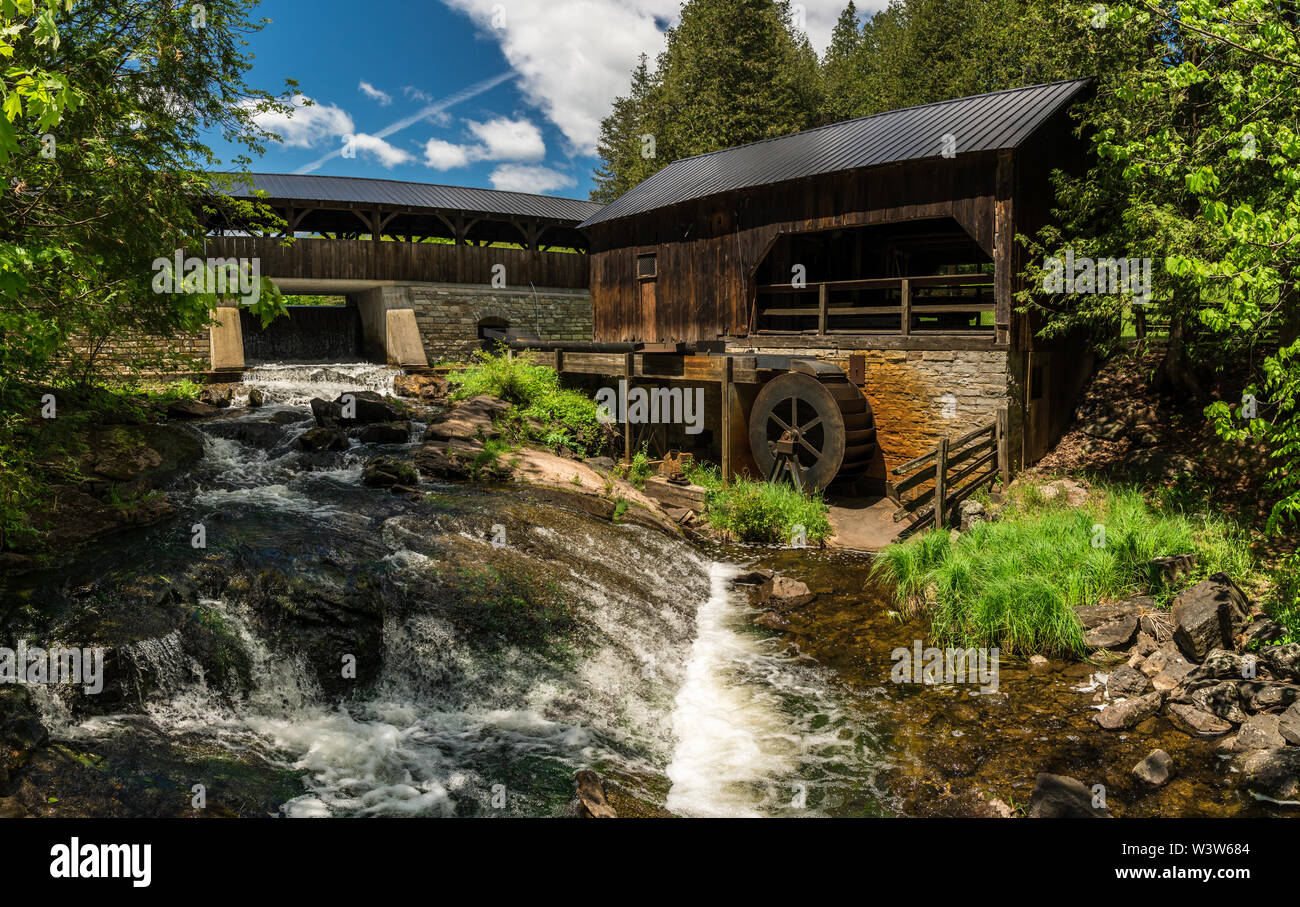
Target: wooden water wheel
813, 425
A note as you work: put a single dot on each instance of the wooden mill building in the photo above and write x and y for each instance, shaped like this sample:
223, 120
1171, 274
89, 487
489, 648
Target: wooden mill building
884, 244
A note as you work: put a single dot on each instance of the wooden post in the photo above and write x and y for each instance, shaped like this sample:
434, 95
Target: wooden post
726, 422
941, 484
1004, 456
906, 289
628, 364
822, 294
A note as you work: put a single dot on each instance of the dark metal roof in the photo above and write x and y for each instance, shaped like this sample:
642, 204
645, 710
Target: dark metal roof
364, 191
985, 122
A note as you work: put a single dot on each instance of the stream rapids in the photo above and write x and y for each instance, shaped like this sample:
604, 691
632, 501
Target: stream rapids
338, 650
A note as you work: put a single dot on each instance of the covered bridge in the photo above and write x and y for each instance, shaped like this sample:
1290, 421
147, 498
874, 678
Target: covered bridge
444, 265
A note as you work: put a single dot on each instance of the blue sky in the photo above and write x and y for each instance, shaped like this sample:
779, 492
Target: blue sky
503, 94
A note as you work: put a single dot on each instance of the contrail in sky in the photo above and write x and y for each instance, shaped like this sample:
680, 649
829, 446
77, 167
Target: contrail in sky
435, 108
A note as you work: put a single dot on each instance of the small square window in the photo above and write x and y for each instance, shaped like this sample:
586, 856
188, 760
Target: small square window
645, 265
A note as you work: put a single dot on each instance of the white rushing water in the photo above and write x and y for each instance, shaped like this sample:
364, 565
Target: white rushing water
666, 678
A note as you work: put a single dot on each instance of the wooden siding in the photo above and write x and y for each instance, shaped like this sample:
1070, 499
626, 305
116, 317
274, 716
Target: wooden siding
340, 259
708, 250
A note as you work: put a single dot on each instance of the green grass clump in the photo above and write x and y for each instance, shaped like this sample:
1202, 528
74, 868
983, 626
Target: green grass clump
544, 412
1015, 582
766, 513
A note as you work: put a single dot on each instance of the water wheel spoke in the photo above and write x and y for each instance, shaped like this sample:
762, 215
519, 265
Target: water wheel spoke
811, 425
812, 450
777, 419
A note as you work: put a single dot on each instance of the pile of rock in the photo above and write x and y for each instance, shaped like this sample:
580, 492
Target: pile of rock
1212, 669
366, 415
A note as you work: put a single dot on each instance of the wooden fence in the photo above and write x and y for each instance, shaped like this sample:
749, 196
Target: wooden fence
939, 480
937, 302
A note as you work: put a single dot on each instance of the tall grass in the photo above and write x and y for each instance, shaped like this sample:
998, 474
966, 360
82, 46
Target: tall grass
1015, 583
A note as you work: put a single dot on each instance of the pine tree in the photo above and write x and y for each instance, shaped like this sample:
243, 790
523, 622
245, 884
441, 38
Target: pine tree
839, 68
733, 71
625, 144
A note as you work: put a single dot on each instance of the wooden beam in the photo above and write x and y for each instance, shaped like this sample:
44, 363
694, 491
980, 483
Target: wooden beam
905, 302
1004, 234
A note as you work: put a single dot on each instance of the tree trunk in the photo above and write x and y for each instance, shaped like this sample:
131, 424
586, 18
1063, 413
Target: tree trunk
1178, 371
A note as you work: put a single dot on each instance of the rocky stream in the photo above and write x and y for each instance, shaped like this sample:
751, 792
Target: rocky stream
313, 629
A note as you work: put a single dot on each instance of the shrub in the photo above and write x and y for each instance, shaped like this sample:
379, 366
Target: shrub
766, 513
544, 412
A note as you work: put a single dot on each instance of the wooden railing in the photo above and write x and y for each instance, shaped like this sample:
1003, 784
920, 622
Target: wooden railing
363, 259
942, 478
917, 304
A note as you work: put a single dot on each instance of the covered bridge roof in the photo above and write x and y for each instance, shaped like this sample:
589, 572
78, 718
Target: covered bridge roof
348, 190
986, 122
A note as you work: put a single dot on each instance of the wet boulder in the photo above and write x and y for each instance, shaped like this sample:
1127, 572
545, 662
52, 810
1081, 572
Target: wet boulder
1260, 732
429, 388
368, 406
386, 472
1273, 774
1207, 616
218, 395
327, 414
21, 731
1196, 722
1109, 626
318, 439
1126, 682
385, 433
1288, 725
771, 620
1154, 769
591, 796
1062, 797
256, 397
149, 454
190, 409
1127, 713
780, 593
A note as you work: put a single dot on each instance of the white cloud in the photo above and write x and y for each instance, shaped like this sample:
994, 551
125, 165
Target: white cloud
501, 139
386, 154
525, 178
442, 155
574, 56
508, 140
309, 125
370, 91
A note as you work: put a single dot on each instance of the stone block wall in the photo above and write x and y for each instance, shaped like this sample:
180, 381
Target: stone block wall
185, 353
448, 315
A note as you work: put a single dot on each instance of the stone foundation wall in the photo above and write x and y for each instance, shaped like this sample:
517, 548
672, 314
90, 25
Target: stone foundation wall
921, 396
448, 315
182, 354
